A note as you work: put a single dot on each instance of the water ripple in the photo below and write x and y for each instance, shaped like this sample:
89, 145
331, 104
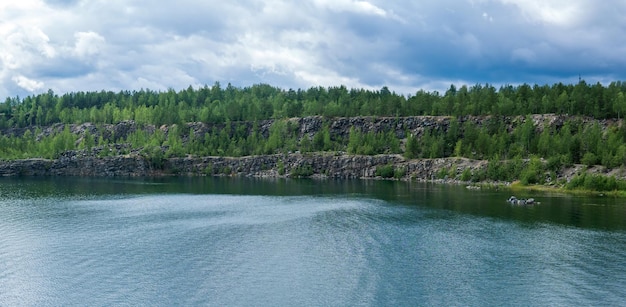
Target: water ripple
225, 250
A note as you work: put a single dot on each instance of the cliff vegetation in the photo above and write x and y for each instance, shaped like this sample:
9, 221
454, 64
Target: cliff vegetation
569, 135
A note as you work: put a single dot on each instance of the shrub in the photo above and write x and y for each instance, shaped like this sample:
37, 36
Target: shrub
226, 170
496, 170
302, 171
466, 175
533, 173
479, 175
442, 173
589, 159
208, 170
596, 183
153, 154
529, 176
399, 172
281, 168
386, 171
555, 163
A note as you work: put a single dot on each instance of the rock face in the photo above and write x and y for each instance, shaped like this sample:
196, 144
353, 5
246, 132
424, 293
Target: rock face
87, 166
288, 165
319, 165
121, 160
339, 126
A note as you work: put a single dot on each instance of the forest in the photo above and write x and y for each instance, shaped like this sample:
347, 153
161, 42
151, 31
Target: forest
216, 104
591, 135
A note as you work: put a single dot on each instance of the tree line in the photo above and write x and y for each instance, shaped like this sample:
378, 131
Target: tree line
216, 104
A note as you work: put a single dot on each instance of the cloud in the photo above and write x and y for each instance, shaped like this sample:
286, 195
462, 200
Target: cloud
88, 44
556, 12
353, 6
70, 45
28, 84
61, 3
27, 43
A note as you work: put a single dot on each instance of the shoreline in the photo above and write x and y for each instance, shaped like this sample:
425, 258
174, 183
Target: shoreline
295, 165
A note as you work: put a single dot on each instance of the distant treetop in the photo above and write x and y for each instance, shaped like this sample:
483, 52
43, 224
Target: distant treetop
262, 101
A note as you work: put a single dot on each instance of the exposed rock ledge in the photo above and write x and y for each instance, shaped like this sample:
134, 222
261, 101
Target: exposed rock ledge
280, 165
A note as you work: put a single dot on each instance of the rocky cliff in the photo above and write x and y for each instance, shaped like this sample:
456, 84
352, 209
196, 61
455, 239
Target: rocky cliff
122, 161
288, 165
339, 127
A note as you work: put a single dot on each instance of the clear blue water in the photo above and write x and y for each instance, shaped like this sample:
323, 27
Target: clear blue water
241, 242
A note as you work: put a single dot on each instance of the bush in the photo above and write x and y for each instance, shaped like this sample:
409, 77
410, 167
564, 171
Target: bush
596, 183
302, 171
466, 175
281, 168
529, 176
533, 173
442, 173
386, 171
496, 170
479, 175
554, 163
589, 159
208, 170
399, 172
153, 154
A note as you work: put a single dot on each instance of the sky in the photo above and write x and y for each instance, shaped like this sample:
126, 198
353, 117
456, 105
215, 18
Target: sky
93, 45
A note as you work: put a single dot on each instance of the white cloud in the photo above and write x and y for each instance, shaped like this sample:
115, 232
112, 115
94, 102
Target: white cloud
88, 44
564, 13
354, 6
20, 48
28, 84
30, 41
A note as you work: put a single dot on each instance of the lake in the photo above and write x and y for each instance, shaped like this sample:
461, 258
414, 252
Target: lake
265, 242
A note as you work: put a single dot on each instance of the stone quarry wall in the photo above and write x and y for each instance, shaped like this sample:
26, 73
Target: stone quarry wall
319, 166
329, 165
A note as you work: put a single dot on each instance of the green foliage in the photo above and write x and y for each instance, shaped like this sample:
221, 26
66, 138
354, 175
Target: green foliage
533, 173
281, 168
555, 163
217, 104
466, 175
237, 121
87, 142
208, 170
305, 144
386, 171
399, 172
226, 170
372, 143
155, 156
442, 173
596, 183
458, 148
412, 147
302, 171
589, 159
322, 140
479, 175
